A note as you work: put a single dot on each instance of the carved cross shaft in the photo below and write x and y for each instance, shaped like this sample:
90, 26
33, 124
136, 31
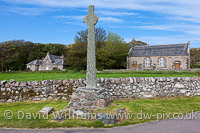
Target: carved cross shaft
91, 19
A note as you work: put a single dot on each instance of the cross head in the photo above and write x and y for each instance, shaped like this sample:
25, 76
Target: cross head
91, 19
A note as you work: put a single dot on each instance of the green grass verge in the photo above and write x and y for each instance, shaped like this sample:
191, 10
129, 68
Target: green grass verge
30, 76
154, 106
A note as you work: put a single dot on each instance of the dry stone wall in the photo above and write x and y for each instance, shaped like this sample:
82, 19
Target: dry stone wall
137, 87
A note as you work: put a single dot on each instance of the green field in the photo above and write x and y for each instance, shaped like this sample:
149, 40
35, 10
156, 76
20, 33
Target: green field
153, 106
32, 76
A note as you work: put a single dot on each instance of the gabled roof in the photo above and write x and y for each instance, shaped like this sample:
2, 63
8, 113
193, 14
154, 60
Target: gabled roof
54, 57
159, 50
36, 62
56, 60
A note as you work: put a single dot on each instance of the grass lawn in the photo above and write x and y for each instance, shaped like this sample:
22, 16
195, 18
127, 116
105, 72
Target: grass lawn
30, 76
154, 106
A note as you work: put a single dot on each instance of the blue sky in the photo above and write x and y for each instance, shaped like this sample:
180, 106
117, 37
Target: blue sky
57, 21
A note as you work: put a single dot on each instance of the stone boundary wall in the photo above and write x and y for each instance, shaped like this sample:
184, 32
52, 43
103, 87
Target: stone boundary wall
137, 87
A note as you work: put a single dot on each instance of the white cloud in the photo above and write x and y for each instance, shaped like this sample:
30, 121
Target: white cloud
156, 27
53, 3
185, 28
33, 11
102, 19
110, 19
70, 17
115, 13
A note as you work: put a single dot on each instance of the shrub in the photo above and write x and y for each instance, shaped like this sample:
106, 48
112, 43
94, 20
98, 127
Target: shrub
98, 124
197, 66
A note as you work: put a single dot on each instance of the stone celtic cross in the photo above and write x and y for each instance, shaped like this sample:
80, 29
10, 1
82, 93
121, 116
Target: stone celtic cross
91, 19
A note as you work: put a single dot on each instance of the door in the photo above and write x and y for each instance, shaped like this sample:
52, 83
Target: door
177, 65
134, 64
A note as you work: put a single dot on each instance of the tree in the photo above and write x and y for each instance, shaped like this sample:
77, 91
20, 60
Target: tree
100, 37
113, 55
77, 55
114, 38
2, 57
195, 57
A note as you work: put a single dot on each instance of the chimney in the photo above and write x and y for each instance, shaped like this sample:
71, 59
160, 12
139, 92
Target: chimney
188, 54
188, 47
62, 58
133, 42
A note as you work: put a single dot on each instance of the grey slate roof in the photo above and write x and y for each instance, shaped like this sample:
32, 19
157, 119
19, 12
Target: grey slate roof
159, 50
36, 62
56, 60
54, 57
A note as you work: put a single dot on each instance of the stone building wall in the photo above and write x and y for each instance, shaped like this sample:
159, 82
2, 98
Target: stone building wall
169, 62
137, 87
33, 67
47, 64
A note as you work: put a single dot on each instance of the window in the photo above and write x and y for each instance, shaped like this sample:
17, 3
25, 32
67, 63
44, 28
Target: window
47, 68
162, 62
147, 62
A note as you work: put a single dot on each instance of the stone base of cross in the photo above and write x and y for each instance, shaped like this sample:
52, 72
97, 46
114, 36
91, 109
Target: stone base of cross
84, 98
